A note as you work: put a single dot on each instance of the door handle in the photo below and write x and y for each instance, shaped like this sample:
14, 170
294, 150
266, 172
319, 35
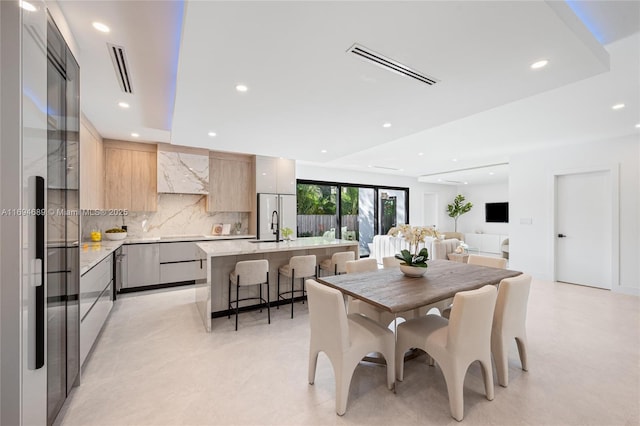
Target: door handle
562, 236
40, 256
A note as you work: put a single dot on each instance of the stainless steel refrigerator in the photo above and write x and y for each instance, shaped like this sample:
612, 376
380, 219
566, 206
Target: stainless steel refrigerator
276, 212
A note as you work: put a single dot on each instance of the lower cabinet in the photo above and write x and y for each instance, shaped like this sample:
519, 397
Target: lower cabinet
142, 265
151, 264
486, 243
95, 303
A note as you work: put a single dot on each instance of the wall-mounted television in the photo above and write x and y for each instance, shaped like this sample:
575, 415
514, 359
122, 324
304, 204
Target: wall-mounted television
496, 212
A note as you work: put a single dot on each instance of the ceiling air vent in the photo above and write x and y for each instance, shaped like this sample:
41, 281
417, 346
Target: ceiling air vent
390, 65
119, 59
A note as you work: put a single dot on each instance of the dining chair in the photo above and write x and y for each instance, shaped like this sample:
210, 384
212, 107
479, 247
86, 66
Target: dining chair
249, 273
509, 323
492, 262
337, 264
390, 262
301, 267
345, 339
454, 344
361, 265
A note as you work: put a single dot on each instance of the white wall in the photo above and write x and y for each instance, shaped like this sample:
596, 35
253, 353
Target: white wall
531, 194
474, 220
444, 193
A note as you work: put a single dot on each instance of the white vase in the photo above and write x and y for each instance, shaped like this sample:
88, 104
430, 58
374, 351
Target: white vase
412, 271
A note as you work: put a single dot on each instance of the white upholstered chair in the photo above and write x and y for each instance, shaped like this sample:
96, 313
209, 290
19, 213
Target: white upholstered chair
493, 262
345, 339
441, 248
337, 264
249, 273
361, 265
509, 323
299, 267
390, 262
454, 344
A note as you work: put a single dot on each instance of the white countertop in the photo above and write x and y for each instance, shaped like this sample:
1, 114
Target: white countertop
177, 238
93, 253
230, 248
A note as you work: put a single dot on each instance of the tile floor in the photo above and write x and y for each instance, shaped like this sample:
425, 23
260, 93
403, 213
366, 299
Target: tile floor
155, 365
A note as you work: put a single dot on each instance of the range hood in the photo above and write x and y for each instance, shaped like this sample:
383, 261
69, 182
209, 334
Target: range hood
181, 172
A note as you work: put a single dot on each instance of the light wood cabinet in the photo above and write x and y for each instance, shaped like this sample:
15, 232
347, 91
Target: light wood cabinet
91, 167
231, 183
130, 176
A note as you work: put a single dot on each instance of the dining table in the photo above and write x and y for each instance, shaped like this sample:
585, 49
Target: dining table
390, 290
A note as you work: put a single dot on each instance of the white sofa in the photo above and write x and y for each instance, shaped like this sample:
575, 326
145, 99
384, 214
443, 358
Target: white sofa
386, 245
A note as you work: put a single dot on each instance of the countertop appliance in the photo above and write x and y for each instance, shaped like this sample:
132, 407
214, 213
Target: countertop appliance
275, 212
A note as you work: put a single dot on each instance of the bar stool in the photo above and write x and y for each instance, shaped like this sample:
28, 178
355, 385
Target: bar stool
299, 267
247, 273
338, 262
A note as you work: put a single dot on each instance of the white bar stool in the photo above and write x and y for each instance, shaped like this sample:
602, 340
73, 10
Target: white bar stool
301, 267
338, 262
248, 273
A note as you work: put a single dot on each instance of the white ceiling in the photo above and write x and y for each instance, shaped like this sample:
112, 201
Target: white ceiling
307, 94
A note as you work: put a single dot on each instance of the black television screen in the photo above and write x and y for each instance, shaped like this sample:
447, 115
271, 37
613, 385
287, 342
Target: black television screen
496, 212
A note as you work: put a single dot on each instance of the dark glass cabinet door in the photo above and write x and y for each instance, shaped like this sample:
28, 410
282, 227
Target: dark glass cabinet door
63, 320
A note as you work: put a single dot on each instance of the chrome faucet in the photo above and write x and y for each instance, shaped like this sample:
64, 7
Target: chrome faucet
274, 225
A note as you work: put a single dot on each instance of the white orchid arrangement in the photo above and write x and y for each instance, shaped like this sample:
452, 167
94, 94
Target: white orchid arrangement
415, 236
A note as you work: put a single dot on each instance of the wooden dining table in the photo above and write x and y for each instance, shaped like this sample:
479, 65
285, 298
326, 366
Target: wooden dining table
389, 289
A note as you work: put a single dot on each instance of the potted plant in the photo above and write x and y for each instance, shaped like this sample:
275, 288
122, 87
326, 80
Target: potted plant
415, 259
287, 233
457, 209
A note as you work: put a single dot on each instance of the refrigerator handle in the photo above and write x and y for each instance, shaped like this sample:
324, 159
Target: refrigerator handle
39, 264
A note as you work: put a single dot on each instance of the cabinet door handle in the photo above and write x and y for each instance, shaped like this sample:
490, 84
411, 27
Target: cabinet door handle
200, 263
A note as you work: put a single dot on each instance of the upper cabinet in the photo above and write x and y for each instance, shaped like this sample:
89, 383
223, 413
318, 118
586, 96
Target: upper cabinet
232, 182
182, 170
130, 176
91, 167
275, 175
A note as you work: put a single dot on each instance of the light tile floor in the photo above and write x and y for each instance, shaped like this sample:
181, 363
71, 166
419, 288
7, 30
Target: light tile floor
155, 365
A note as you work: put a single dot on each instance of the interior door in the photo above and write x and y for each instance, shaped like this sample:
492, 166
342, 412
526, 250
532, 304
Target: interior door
584, 229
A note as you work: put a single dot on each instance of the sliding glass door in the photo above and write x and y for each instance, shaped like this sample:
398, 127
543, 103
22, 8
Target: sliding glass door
364, 211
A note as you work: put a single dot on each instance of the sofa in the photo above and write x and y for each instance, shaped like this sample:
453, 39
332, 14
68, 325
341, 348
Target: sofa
386, 245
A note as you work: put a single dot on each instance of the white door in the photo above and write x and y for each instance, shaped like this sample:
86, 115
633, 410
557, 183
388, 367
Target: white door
584, 229
430, 204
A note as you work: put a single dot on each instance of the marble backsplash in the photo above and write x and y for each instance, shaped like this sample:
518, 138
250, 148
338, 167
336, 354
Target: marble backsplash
178, 214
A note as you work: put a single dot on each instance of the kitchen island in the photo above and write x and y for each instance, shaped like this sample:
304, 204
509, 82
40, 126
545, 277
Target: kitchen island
212, 295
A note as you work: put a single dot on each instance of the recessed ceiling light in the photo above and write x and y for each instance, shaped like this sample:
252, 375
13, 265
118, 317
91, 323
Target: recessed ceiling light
101, 27
466, 183
324, 151
491, 173
539, 64
27, 6
454, 159
264, 173
638, 126
369, 166
618, 106
421, 154
135, 135
123, 105
212, 134
439, 180
241, 88
386, 125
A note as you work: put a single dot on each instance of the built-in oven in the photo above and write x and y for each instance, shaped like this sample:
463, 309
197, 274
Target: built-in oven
119, 267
